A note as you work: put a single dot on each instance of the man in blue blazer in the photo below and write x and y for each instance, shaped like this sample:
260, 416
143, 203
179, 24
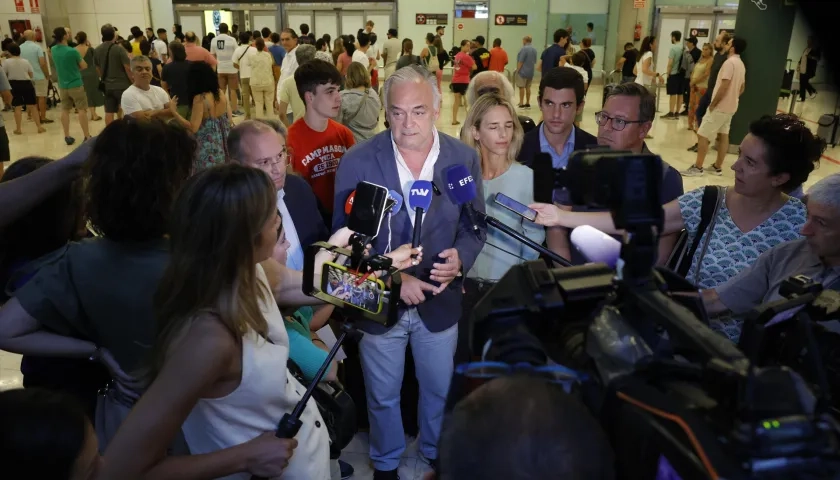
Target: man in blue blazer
413, 150
258, 145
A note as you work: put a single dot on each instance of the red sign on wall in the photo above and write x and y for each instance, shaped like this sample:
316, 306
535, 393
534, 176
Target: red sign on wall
639, 3
19, 6
35, 6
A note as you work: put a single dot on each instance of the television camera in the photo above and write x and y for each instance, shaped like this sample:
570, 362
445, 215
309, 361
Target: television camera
674, 397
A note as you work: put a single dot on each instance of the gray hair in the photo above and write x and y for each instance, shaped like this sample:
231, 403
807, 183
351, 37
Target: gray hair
485, 78
305, 53
239, 133
139, 59
826, 192
410, 74
647, 101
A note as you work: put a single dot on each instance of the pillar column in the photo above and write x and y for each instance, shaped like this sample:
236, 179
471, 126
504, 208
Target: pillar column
767, 32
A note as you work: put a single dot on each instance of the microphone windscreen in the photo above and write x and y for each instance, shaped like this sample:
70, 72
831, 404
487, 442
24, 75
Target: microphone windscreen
543, 178
420, 195
460, 184
348, 205
596, 246
397, 198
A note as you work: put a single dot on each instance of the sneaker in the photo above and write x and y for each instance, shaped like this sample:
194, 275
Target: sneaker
47, 120
385, 475
684, 113
693, 148
716, 171
521, 105
527, 105
668, 116
812, 95
238, 113
692, 171
69, 140
346, 469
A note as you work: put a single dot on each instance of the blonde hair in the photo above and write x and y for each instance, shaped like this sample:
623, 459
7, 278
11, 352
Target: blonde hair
475, 116
216, 227
357, 76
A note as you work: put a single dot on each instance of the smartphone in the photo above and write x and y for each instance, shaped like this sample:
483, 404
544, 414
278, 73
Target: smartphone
368, 209
350, 289
515, 207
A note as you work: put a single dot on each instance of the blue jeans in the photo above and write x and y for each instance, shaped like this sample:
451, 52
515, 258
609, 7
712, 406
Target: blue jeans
383, 365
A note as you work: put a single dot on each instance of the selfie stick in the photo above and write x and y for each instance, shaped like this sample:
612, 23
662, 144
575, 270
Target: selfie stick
290, 424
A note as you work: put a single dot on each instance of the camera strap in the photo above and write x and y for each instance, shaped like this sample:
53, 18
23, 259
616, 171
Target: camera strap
712, 197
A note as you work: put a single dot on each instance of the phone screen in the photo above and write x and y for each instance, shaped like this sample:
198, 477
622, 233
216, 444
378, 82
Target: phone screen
349, 288
515, 207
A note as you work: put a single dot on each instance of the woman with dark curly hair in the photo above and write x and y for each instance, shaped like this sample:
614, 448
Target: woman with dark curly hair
95, 296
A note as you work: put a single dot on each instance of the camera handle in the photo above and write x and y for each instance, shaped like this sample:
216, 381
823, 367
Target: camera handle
290, 423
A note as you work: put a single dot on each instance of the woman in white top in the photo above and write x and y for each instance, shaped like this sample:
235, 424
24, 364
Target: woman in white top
262, 79
218, 366
645, 74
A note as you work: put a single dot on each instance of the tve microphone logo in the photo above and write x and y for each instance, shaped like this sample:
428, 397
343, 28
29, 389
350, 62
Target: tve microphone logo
423, 192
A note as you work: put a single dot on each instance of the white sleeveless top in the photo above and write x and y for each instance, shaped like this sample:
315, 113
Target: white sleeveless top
641, 78
266, 392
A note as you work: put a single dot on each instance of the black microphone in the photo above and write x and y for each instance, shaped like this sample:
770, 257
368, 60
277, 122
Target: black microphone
462, 190
544, 178
419, 199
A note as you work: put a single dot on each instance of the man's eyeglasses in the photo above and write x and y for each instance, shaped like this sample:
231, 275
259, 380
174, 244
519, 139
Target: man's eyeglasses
279, 159
618, 124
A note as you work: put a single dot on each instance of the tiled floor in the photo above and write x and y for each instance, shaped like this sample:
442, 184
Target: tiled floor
671, 139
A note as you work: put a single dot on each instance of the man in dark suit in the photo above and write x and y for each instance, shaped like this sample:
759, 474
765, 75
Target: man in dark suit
413, 150
561, 98
257, 144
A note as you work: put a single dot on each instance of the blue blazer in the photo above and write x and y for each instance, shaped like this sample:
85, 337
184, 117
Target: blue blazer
303, 207
445, 225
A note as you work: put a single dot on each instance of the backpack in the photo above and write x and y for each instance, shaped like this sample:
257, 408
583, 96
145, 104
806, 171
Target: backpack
686, 64
432, 62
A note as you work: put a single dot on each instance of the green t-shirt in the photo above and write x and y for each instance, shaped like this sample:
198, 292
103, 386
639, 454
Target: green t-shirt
67, 66
675, 55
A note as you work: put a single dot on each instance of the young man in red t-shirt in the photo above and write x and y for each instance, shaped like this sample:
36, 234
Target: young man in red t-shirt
317, 141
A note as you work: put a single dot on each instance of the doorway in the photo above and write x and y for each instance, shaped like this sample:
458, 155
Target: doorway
705, 24
471, 20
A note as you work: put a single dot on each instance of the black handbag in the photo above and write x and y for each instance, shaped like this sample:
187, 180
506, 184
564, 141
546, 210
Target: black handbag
683, 254
105, 69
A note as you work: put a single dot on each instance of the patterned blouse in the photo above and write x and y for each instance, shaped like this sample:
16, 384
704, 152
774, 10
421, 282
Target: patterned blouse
731, 250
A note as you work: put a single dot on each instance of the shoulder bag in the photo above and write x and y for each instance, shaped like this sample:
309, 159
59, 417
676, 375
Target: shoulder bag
683, 253
105, 68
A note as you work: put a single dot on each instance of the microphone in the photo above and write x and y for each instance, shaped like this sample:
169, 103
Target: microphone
544, 176
398, 201
348, 205
596, 246
419, 200
462, 190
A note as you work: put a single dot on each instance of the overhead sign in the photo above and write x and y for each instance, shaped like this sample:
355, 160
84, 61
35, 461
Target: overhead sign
431, 19
35, 6
730, 31
639, 3
511, 19
19, 6
700, 32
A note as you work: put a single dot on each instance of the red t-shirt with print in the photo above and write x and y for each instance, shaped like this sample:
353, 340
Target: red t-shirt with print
315, 156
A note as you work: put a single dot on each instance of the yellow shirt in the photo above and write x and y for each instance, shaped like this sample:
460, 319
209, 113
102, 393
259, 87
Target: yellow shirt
135, 48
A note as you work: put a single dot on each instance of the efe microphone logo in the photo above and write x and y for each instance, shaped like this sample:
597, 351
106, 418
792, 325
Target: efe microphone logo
462, 182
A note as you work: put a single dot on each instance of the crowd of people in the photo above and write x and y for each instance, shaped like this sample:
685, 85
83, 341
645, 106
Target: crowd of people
154, 276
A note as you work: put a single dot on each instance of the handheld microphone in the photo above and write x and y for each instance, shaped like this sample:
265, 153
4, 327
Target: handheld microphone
398, 201
348, 205
596, 246
419, 200
544, 178
462, 190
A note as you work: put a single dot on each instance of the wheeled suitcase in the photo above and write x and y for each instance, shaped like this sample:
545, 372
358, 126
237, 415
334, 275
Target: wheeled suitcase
827, 128
787, 81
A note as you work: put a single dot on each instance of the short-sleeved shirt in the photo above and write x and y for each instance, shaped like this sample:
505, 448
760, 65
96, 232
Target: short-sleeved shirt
717, 63
462, 67
117, 58
197, 53
175, 76
223, 47
33, 52
675, 57
733, 70
67, 66
527, 56
361, 57
17, 68
759, 283
138, 100
4, 87
160, 47
482, 60
302, 351
730, 250
582, 71
288, 94
316, 156
551, 57
629, 63
240, 55
393, 49
262, 73
102, 291
498, 59
278, 52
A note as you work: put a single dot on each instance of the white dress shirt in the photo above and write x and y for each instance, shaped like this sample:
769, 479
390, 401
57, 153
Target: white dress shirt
426, 173
287, 69
294, 255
